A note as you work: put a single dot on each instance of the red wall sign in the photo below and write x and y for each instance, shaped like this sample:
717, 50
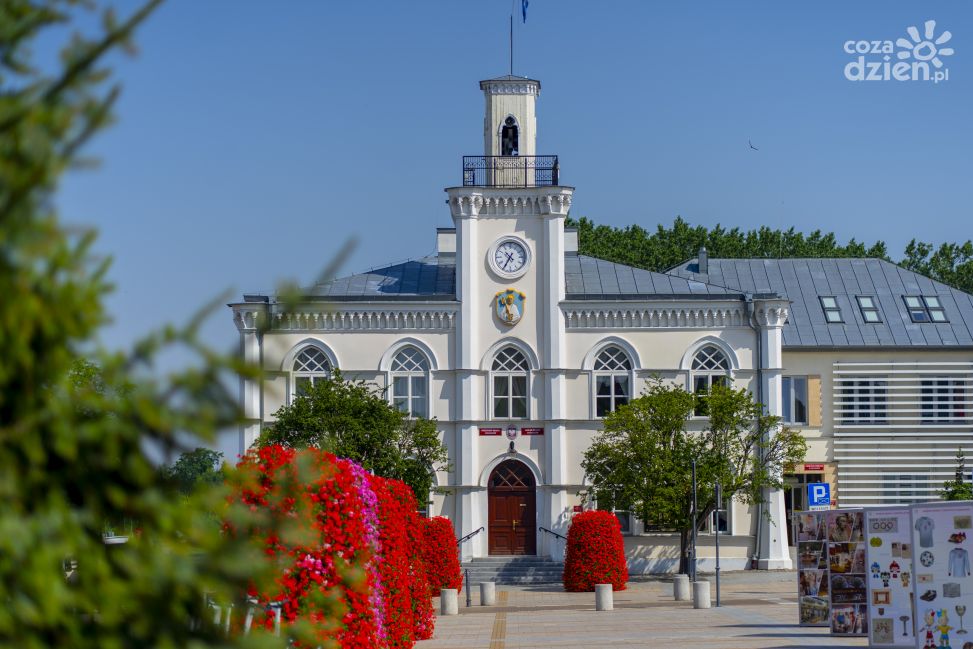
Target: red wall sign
531, 431
577, 508
814, 467
491, 432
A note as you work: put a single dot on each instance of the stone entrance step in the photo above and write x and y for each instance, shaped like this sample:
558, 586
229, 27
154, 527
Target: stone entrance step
514, 570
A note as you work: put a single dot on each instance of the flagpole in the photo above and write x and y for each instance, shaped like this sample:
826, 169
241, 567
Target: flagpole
511, 44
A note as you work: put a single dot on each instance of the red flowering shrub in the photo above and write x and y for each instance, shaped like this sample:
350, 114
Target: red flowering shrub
348, 550
595, 553
405, 590
439, 552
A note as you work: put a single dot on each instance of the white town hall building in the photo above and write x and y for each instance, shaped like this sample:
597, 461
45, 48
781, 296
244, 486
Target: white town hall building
517, 346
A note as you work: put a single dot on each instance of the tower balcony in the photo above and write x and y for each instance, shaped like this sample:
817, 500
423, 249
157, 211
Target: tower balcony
510, 171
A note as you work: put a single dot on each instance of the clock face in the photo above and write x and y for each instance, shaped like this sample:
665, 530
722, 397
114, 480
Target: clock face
510, 257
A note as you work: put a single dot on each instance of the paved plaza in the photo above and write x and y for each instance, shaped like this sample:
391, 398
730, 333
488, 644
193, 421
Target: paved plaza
759, 611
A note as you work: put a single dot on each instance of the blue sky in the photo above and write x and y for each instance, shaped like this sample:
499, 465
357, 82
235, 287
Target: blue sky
255, 138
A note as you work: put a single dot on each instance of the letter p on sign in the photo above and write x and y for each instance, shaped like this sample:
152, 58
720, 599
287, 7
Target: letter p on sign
819, 495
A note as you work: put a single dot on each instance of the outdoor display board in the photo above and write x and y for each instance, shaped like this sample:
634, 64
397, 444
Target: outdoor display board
891, 602
812, 568
942, 535
848, 579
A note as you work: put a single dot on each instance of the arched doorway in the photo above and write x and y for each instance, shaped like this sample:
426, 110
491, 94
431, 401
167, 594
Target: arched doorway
512, 499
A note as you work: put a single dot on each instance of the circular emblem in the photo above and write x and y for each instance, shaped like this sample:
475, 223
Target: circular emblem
509, 306
511, 432
876, 542
509, 257
926, 558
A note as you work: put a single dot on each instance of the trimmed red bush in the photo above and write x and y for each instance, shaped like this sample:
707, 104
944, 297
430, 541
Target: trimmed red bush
595, 553
440, 554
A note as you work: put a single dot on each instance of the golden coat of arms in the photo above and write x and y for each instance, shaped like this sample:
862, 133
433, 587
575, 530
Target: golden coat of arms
509, 306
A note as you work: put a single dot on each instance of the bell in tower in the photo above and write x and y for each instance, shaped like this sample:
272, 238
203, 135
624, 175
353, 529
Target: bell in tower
509, 137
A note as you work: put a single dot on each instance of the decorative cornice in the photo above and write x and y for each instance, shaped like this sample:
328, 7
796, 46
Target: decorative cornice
247, 316
772, 314
511, 87
542, 201
653, 317
361, 320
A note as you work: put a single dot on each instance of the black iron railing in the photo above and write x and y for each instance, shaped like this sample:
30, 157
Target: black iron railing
510, 171
553, 533
468, 537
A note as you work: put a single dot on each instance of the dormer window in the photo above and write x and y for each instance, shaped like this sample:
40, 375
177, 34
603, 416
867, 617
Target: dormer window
509, 137
869, 309
925, 308
832, 312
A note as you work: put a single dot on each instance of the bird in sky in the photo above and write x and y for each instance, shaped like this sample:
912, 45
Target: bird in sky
752, 146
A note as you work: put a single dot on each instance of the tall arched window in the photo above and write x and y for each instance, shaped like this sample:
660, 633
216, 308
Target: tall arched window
310, 364
613, 371
510, 369
509, 137
410, 372
710, 367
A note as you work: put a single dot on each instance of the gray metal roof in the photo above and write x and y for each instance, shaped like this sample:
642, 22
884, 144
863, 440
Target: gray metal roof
588, 278
428, 278
803, 281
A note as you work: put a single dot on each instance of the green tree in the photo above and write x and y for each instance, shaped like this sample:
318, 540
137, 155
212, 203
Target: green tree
73, 433
200, 466
354, 420
958, 488
642, 459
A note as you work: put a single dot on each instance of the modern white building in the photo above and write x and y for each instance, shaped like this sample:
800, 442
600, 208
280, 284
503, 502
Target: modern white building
518, 345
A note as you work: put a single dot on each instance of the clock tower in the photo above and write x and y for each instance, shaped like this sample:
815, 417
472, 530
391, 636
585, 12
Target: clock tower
509, 216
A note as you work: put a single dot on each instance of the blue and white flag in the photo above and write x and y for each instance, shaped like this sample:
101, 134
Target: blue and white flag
523, 8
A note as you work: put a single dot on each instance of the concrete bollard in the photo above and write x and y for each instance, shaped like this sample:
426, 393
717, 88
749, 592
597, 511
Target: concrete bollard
701, 594
604, 598
488, 593
680, 588
448, 602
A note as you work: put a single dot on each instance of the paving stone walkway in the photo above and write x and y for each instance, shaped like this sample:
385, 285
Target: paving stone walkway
759, 611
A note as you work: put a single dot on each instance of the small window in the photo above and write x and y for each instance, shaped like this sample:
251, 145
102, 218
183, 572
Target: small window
869, 309
510, 369
310, 364
935, 309
710, 367
612, 373
917, 310
795, 399
409, 378
832, 312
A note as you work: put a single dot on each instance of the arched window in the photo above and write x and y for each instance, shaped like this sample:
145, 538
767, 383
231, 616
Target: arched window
310, 364
410, 372
710, 367
613, 371
509, 137
510, 384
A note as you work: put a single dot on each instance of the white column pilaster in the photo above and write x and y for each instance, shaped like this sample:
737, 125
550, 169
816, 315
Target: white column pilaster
247, 316
771, 315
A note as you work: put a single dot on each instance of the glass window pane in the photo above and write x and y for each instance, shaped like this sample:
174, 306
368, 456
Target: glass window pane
602, 385
932, 302
912, 302
721, 380
603, 406
788, 397
919, 315
829, 303
501, 386
866, 302
700, 384
937, 316
419, 407
620, 401
400, 386
871, 316
832, 316
519, 386
800, 408
418, 386
519, 405
401, 404
621, 385
500, 405
302, 384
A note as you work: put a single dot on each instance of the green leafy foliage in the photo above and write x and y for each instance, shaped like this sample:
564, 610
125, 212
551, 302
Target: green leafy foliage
73, 432
665, 247
958, 488
200, 466
642, 459
354, 420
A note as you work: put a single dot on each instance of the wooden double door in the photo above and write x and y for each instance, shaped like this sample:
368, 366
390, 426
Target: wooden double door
512, 499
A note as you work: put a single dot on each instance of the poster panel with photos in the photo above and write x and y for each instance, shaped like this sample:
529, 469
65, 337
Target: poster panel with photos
942, 536
891, 606
812, 568
848, 579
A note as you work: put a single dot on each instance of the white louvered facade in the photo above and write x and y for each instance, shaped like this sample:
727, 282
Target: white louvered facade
897, 427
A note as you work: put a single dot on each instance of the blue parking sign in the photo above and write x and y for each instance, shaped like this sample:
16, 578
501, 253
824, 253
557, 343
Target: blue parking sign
818, 495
